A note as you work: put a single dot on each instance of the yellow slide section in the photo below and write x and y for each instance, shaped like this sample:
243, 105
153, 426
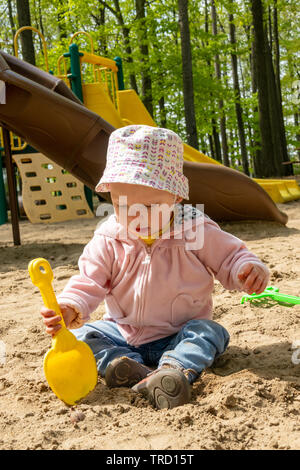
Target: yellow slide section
280, 190
132, 111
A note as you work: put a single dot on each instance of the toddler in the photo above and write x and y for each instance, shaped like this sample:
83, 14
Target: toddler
157, 334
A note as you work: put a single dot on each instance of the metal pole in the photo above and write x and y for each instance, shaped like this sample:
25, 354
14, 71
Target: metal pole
11, 187
3, 210
120, 75
75, 75
76, 85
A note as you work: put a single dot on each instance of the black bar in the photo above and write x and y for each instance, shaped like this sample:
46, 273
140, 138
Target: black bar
11, 187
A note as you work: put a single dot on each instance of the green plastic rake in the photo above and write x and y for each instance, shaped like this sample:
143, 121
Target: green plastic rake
271, 293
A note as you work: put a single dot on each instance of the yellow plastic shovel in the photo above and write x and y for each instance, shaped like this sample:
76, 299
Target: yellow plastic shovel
69, 366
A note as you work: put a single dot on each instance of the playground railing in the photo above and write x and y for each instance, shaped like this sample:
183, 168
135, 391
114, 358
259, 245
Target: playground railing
105, 72
31, 28
63, 75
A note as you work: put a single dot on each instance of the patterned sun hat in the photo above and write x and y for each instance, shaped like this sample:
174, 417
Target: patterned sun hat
145, 155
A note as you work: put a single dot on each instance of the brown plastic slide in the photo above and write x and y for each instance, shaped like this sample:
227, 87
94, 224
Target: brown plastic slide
45, 113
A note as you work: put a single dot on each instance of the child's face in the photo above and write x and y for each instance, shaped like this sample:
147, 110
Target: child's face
142, 222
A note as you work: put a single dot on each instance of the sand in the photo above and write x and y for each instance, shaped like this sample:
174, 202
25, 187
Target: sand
249, 399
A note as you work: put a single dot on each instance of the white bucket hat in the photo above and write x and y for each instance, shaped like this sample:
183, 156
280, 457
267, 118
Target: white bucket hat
146, 155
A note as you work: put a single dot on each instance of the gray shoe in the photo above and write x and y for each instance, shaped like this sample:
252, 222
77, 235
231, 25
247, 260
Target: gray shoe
125, 372
165, 388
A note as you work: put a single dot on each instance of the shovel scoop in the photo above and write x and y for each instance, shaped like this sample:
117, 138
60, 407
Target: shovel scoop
69, 366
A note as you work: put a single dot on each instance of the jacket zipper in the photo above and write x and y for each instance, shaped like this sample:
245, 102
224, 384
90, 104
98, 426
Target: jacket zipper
146, 262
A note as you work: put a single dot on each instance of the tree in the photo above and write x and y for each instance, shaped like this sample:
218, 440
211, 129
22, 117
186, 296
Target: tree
61, 21
117, 12
288, 169
213, 134
23, 12
267, 166
144, 49
218, 75
187, 75
11, 21
100, 23
238, 107
272, 140
257, 154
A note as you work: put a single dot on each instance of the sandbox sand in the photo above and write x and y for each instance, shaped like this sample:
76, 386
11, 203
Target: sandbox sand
249, 399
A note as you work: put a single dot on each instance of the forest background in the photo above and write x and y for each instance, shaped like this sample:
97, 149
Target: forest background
223, 74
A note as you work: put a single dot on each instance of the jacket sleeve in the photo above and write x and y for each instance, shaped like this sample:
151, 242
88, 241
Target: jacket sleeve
224, 254
85, 291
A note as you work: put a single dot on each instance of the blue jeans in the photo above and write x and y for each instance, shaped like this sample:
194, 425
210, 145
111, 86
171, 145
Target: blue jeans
192, 349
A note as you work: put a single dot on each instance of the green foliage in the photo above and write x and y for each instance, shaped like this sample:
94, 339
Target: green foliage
59, 19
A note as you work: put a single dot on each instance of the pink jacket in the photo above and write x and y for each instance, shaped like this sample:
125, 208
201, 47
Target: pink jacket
151, 292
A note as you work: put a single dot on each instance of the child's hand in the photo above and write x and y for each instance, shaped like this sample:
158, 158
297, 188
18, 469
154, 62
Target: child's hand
253, 278
51, 319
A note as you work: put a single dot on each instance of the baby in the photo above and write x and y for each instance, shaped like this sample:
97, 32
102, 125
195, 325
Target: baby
157, 334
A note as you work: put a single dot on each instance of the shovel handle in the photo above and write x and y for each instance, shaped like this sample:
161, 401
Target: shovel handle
42, 276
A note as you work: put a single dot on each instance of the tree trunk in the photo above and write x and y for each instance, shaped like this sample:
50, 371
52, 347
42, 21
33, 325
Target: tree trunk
224, 137
37, 24
61, 21
238, 107
292, 68
41, 27
117, 12
187, 75
203, 144
232, 147
211, 146
296, 122
144, 49
162, 112
276, 48
257, 155
99, 19
11, 21
103, 38
100, 22
23, 12
220, 102
128, 49
288, 169
274, 150
217, 145
276, 118
274, 113
270, 29
267, 164
160, 86
214, 139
